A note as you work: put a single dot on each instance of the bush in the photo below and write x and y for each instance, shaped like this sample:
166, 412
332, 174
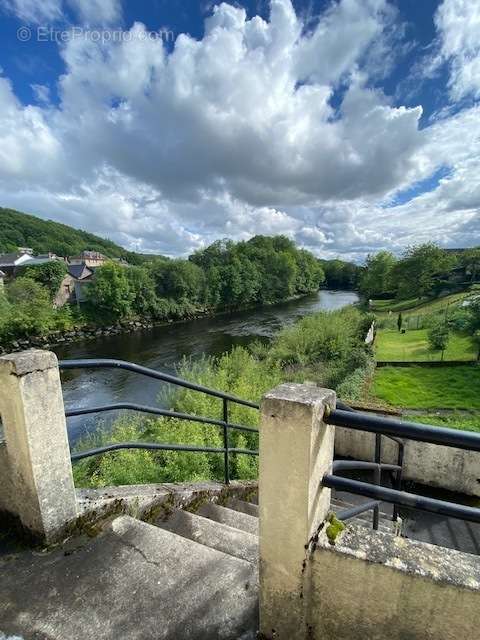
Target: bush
438, 336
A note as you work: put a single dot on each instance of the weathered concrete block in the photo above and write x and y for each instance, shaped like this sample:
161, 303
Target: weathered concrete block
40, 490
376, 586
296, 450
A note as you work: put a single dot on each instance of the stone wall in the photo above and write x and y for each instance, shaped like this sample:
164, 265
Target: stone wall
429, 464
373, 585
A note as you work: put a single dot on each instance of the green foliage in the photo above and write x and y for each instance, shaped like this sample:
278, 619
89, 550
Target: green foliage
340, 274
26, 310
376, 278
110, 293
142, 288
49, 274
242, 373
438, 336
22, 230
399, 321
238, 373
419, 270
334, 528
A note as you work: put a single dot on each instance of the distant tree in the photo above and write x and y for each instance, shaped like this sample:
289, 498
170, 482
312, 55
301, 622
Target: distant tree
415, 275
178, 279
110, 292
49, 274
142, 288
400, 321
438, 336
471, 261
29, 310
376, 277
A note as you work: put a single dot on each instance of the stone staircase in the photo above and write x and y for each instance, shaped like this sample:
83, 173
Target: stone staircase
188, 576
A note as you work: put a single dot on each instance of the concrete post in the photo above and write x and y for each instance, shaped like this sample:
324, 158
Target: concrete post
296, 450
37, 450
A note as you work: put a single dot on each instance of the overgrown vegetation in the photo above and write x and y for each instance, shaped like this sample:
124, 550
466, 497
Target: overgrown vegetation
322, 347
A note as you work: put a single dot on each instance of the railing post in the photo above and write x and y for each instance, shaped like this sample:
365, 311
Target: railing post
40, 491
226, 441
378, 477
296, 450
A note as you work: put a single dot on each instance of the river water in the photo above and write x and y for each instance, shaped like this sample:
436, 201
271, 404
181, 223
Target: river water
163, 347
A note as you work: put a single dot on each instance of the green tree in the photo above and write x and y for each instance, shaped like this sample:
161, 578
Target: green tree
49, 274
416, 274
179, 279
376, 277
29, 309
110, 292
142, 288
438, 336
471, 261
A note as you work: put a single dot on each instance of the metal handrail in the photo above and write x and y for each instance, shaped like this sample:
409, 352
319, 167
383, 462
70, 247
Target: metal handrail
411, 430
100, 363
107, 363
402, 498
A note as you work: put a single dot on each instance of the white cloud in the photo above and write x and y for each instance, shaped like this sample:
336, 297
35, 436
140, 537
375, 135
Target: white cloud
33, 11
97, 12
41, 93
44, 12
235, 134
458, 23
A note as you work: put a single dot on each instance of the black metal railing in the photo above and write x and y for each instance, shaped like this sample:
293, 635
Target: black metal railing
467, 440
397, 473
224, 423
342, 416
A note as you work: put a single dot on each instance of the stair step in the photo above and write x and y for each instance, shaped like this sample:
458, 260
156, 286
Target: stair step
215, 535
365, 519
232, 518
242, 506
196, 592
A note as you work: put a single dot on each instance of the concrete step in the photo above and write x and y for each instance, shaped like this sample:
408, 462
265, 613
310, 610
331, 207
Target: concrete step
232, 518
215, 535
244, 507
133, 582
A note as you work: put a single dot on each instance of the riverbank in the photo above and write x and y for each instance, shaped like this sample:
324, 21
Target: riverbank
90, 332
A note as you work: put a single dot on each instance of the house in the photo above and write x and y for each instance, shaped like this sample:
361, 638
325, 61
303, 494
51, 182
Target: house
2, 278
72, 287
89, 258
9, 262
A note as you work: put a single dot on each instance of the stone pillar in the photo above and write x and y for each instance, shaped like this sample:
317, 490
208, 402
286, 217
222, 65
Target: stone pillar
296, 450
37, 450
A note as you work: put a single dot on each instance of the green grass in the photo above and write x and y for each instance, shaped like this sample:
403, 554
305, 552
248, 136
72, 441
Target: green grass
413, 306
428, 388
455, 421
392, 345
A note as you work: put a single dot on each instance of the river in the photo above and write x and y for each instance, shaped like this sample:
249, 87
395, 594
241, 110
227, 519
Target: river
163, 347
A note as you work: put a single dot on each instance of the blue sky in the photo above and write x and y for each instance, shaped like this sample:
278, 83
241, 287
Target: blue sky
349, 125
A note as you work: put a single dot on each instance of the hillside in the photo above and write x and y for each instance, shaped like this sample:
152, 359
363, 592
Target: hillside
21, 230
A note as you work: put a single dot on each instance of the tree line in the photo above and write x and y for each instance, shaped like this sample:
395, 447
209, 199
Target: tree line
225, 275
421, 271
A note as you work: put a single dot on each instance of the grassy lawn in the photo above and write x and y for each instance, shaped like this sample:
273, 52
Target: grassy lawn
428, 388
415, 306
467, 423
412, 346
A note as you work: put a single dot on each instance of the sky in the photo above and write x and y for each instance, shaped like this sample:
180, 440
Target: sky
350, 126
